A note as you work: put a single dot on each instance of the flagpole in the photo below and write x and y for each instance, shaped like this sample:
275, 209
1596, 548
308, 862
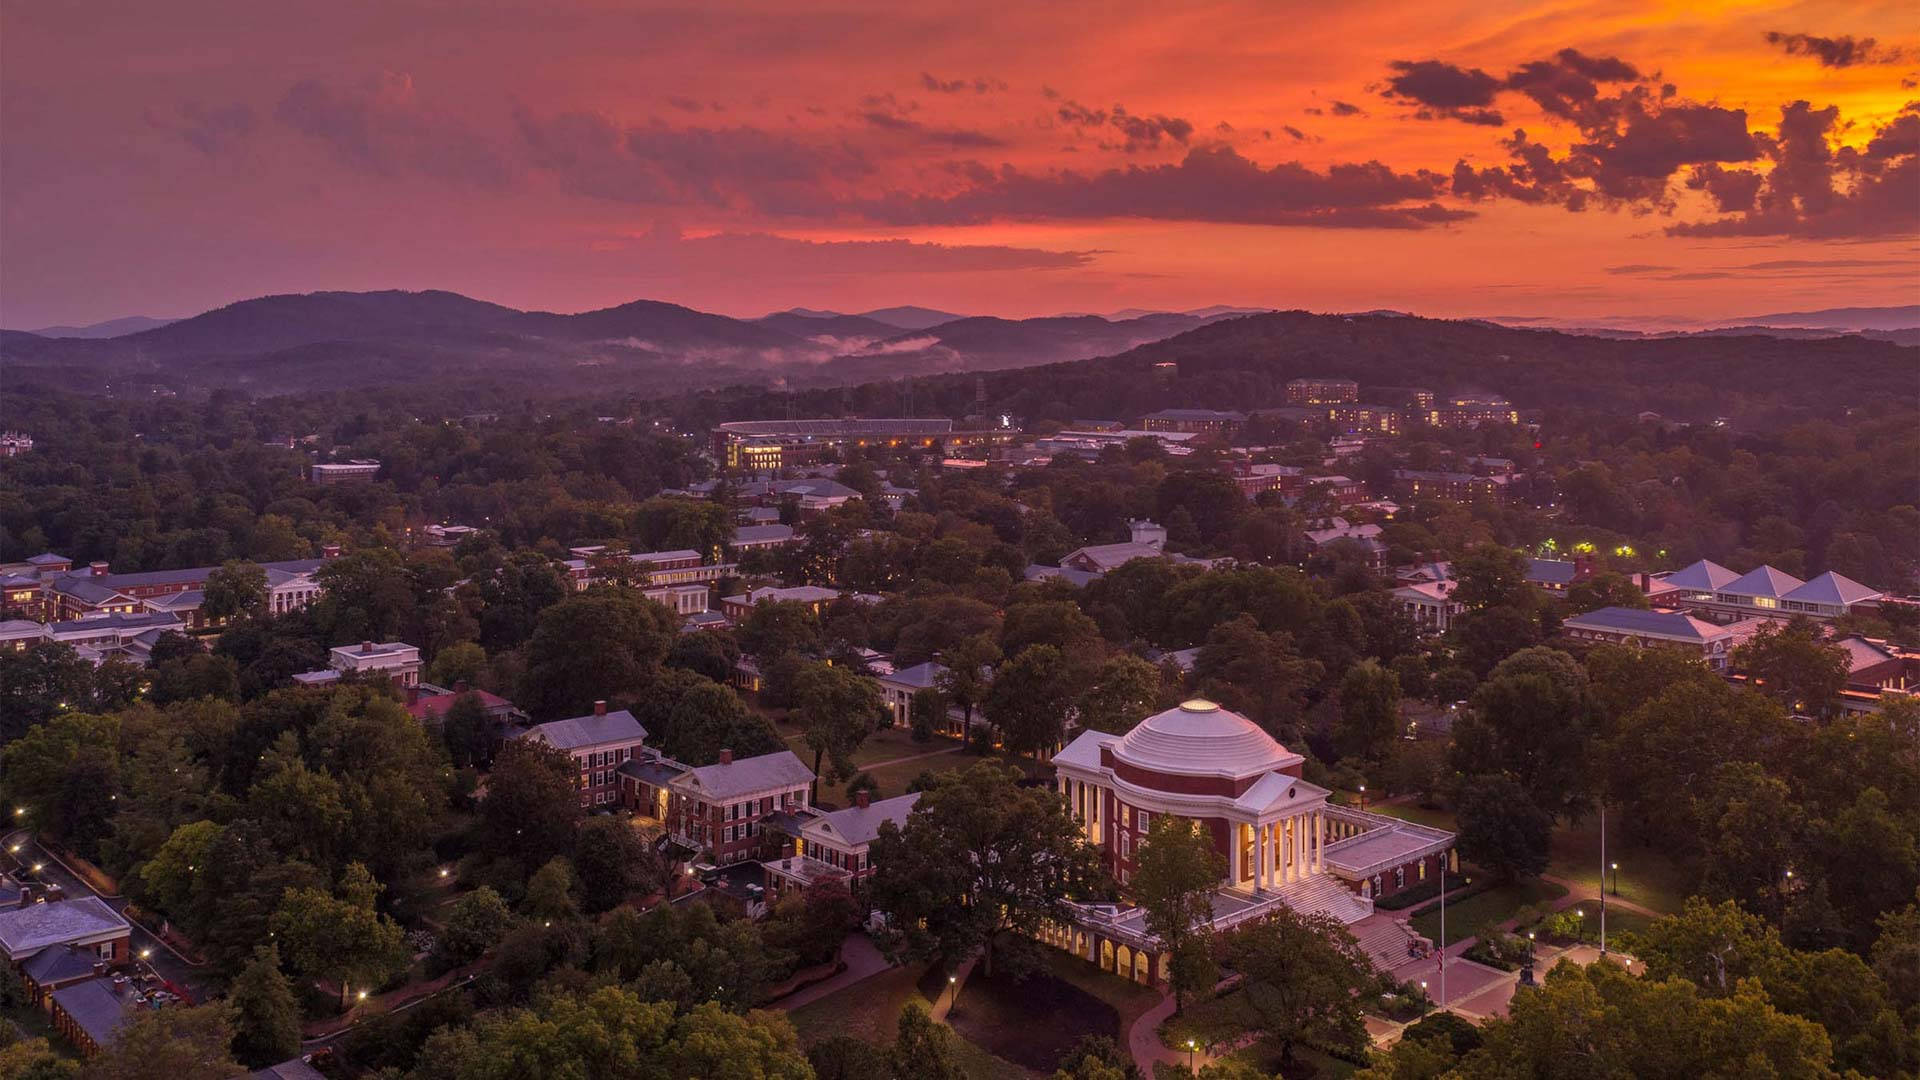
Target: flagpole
1603, 878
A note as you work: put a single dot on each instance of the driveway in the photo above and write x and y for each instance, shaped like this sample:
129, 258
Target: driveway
170, 965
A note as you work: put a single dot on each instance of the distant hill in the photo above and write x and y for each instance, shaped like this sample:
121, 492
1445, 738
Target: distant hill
343, 340
1244, 363
131, 324
910, 318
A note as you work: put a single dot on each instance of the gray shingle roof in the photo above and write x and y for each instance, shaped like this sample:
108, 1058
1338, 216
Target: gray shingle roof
1703, 576
58, 964
746, 776
747, 534
919, 676
580, 732
1832, 588
1550, 571
1763, 581
97, 1008
25, 931
858, 825
1669, 624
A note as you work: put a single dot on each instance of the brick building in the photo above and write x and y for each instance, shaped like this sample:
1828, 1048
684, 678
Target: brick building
599, 744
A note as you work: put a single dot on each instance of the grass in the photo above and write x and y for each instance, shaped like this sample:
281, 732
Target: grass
893, 779
881, 746
1618, 921
1646, 876
869, 1010
1033, 1021
1494, 905
1419, 815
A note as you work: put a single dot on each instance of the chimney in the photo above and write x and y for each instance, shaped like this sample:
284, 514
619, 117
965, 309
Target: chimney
726, 757
366, 647
600, 709
862, 798
459, 686
329, 551
413, 695
1646, 581
99, 568
99, 969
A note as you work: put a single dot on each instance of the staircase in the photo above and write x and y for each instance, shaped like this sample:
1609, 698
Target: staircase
1326, 895
1384, 939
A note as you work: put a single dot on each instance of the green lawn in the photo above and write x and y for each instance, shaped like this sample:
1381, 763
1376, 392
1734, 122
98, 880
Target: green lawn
883, 745
1419, 815
1646, 876
1618, 921
893, 779
870, 1010
1495, 905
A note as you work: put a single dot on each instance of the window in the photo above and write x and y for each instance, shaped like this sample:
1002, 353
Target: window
1399, 877
726, 835
1142, 819
1126, 815
1126, 845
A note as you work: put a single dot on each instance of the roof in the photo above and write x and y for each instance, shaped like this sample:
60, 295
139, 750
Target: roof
1431, 590
762, 534
296, 1069
1114, 556
1196, 414
116, 621
1551, 571
1703, 576
380, 648
1832, 588
48, 558
593, 729
1036, 572
59, 964
1763, 581
1084, 750
1276, 791
746, 776
1666, 624
1199, 738
858, 825
1863, 653
97, 1007
919, 676
25, 931
438, 704
1318, 537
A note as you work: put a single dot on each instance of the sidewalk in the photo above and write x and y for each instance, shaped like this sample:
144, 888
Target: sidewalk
863, 959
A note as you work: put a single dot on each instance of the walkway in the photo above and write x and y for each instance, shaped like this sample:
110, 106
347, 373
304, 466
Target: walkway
863, 959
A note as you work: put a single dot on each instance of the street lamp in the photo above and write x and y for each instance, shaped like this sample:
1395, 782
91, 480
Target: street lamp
1426, 1002
1363, 796
1191, 1048
1616, 878
953, 994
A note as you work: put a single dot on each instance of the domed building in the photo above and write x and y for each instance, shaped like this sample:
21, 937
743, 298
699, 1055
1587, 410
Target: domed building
1280, 839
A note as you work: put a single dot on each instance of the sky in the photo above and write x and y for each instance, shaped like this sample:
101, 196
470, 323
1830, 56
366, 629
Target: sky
1566, 160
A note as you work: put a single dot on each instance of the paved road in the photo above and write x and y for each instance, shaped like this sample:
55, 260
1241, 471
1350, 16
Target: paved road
171, 966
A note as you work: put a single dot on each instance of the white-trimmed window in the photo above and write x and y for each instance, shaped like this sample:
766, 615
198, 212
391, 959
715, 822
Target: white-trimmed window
1142, 820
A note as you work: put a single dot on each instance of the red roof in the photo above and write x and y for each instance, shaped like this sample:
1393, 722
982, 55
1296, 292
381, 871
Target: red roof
438, 704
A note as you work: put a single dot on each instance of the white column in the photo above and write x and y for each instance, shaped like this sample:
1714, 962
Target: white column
1280, 869
1294, 836
1233, 853
1319, 841
1259, 856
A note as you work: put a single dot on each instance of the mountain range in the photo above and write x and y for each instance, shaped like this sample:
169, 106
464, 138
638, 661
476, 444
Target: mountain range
340, 340
346, 339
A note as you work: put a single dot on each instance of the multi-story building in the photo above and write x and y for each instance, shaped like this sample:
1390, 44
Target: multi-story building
815, 597
835, 845
97, 590
1285, 479
1343, 490
1452, 486
1712, 643
897, 688
1430, 605
13, 443
762, 537
592, 566
599, 744
1472, 411
361, 471
396, 660
1709, 589
41, 921
1322, 391
1222, 422
1354, 417
771, 445
722, 809
1280, 840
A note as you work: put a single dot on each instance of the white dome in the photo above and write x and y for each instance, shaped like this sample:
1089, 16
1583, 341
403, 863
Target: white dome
1199, 738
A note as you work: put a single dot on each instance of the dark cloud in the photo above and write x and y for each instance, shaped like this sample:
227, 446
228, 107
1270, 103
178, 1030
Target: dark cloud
1147, 132
1441, 85
1836, 52
1732, 190
684, 104
1637, 268
1821, 189
960, 86
1481, 117
379, 127
667, 251
1212, 183
955, 137
1568, 85
1296, 133
1344, 108
1077, 115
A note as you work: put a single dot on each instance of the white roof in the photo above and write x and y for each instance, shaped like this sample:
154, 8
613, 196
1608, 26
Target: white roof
25, 931
857, 825
1763, 581
1832, 588
1703, 576
1199, 738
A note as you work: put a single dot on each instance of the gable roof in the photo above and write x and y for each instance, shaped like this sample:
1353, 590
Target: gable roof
857, 825
747, 776
1113, 556
1832, 588
593, 729
919, 676
1551, 571
1763, 581
1703, 576
1666, 624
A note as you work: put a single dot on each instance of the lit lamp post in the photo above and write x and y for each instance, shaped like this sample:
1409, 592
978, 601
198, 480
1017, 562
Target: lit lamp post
1616, 878
1426, 1003
1363, 796
953, 994
1190, 1052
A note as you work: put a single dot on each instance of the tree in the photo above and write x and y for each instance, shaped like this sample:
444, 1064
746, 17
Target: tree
266, 1016
1059, 623
35, 1059
1257, 673
1097, 1057
1369, 723
467, 731
1176, 873
1028, 701
1794, 665
1530, 719
711, 653
170, 1044
233, 589
1607, 588
476, 922
58, 772
1484, 638
612, 859
1416, 678
1613, 1023
812, 923
1492, 576
979, 855
460, 662
1501, 829
1124, 691
593, 646
926, 713
923, 1049
1305, 981
843, 1057
532, 805
513, 596
710, 718
776, 628
341, 938
969, 673
550, 892
38, 681
837, 709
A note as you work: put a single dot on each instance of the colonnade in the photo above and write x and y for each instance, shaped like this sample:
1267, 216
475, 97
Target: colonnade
1282, 851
